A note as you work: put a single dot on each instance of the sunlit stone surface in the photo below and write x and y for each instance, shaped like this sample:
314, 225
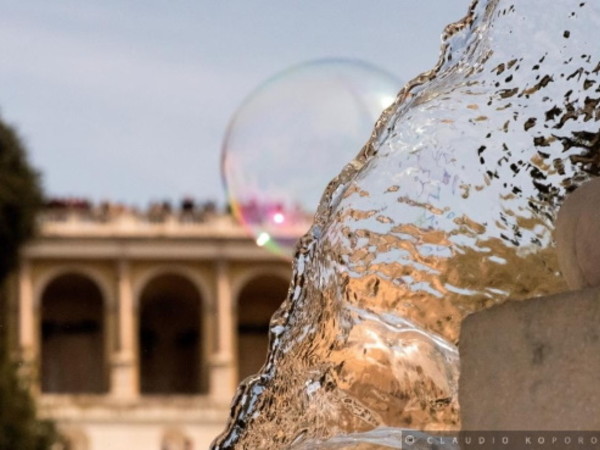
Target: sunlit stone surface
577, 236
543, 356
447, 210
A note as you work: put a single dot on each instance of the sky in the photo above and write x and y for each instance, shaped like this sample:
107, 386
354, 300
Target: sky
129, 100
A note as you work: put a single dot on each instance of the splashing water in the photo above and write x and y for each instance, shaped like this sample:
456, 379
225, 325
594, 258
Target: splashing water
326, 108
448, 209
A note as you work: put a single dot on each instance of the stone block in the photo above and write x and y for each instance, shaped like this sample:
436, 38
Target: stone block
532, 365
576, 234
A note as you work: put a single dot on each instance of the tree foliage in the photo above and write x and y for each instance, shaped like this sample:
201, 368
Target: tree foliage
19, 427
20, 200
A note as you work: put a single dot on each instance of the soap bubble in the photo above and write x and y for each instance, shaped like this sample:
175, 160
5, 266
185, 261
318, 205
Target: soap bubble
291, 136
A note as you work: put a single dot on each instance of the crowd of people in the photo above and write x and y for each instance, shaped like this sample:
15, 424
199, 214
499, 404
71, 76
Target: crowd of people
187, 210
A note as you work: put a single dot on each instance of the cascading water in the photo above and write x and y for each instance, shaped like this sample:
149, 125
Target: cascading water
448, 209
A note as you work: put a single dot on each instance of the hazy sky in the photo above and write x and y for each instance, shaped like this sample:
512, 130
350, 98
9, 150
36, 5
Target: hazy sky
129, 100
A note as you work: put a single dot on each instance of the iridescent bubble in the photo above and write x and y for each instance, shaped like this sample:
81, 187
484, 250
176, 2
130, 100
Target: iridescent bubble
291, 136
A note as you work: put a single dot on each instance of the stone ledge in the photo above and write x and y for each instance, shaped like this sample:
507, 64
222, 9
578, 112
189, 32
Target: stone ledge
532, 365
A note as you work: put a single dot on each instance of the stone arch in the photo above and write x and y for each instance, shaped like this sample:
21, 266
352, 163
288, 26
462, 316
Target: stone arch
257, 299
240, 281
73, 335
200, 281
102, 281
171, 331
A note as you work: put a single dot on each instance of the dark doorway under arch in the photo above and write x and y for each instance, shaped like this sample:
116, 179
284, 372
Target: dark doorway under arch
257, 302
73, 349
170, 330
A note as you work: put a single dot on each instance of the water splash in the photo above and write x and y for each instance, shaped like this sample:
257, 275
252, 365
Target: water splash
381, 438
448, 209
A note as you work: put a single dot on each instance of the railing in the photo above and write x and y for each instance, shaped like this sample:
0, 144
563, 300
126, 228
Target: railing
77, 218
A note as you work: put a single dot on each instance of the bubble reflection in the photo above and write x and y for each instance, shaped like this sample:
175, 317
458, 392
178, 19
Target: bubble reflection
291, 136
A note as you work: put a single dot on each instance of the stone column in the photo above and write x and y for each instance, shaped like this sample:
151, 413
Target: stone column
222, 374
28, 346
124, 380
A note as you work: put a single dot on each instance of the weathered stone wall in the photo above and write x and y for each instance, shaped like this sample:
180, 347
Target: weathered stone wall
533, 365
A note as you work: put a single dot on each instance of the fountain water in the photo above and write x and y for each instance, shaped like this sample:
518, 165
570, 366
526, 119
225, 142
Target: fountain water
448, 209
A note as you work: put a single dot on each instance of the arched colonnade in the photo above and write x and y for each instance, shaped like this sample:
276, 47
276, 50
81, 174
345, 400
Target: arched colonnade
131, 330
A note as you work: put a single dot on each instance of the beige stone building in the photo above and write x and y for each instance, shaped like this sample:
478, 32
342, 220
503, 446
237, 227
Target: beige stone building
136, 330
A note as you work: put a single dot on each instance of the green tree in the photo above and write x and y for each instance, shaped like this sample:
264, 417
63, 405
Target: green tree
20, 200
